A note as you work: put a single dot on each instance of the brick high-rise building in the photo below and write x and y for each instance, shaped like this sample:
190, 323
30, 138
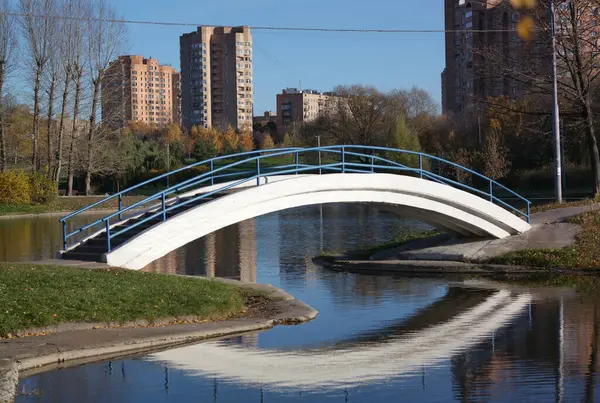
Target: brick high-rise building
216, 77
470, 76
295, 107
139, 89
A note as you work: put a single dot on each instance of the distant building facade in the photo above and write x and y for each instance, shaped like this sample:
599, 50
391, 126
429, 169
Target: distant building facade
216, 77
140, 89
266, 117
296, 107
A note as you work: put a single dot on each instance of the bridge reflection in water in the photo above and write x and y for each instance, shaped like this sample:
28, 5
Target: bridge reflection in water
372, 361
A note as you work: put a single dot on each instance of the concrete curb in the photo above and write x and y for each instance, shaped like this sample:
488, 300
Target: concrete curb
434, 267
85, 342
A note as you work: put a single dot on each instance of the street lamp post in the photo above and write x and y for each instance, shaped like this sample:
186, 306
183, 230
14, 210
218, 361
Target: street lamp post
555, 111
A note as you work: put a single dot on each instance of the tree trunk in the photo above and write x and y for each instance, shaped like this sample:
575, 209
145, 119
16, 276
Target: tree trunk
593, 146
35, 158
91, 132
3, 162
61, 127
49, 126
70, 167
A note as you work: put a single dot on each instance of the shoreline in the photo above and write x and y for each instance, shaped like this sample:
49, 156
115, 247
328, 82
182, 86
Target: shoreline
439, 267
82, 343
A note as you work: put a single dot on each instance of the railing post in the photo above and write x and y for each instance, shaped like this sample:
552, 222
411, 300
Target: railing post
120, 206
373, 163
163, 198
297, 161
491, 191
528, 212
64, 227
258, 171
108, 235
343, 161
421, 165
212, 176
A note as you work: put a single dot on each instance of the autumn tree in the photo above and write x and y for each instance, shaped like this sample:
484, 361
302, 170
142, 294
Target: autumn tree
246, 139
230, 141
266, 142
493, 156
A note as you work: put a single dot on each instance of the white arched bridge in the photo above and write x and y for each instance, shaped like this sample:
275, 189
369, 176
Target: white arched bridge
230, 189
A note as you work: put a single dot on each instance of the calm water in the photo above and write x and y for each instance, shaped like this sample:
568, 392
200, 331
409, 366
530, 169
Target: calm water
376, 339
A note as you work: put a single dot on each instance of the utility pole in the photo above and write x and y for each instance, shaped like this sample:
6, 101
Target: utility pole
555, 112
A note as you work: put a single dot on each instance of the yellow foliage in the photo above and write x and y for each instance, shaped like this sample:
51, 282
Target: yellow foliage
230, 140
525, 28
14, 188
523, 3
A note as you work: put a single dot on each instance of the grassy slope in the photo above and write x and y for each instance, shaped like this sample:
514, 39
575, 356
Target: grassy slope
585, 254
35, 296
65, 204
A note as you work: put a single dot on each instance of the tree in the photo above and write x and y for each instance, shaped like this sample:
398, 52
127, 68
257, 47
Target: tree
287, 141
493, 155
106, 35
528, 64
207, 145
266, 142
404, 139
80, 12
230, 141
7, 45
246, 139
38, 23
359, 115
52, 76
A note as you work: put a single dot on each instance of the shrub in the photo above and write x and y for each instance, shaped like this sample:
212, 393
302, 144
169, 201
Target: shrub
41, 189
14, 188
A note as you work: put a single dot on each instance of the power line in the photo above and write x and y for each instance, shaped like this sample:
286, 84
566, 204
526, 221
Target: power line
268, 28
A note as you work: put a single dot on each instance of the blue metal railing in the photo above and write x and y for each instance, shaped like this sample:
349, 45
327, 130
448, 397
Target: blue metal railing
252, 166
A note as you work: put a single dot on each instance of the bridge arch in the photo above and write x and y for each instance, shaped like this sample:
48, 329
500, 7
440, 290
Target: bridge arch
228, 189
440, 205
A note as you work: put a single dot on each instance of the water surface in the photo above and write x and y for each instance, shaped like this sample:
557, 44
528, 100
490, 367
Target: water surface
377, 338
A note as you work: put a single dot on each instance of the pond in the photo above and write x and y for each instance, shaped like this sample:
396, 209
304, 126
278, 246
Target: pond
377, 338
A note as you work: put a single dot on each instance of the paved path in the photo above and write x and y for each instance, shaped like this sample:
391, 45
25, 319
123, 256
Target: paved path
549, 232
80, 343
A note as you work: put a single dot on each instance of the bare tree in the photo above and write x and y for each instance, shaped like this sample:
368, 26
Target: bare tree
359, 115
68, 36
38, 20
53, 73
105, 40
527, 65
78, 36
7, 44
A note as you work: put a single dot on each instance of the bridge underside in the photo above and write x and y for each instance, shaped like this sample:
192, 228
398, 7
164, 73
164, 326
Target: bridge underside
441, 206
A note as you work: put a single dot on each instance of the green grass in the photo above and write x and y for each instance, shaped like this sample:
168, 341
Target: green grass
584, 254
397, 241
37, 296
66, 203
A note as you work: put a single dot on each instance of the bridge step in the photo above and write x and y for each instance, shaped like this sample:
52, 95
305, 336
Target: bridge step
85, 256
93, 249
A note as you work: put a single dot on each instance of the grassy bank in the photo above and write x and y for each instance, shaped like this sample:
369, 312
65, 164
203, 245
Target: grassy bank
396, 242
584, 254
37, 296
65, 203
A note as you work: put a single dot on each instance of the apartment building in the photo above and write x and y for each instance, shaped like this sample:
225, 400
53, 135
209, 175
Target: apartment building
481, 48
216, 77
140, 89
295, 107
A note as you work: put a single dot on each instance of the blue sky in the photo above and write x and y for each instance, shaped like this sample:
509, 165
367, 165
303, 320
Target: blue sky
320, 60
